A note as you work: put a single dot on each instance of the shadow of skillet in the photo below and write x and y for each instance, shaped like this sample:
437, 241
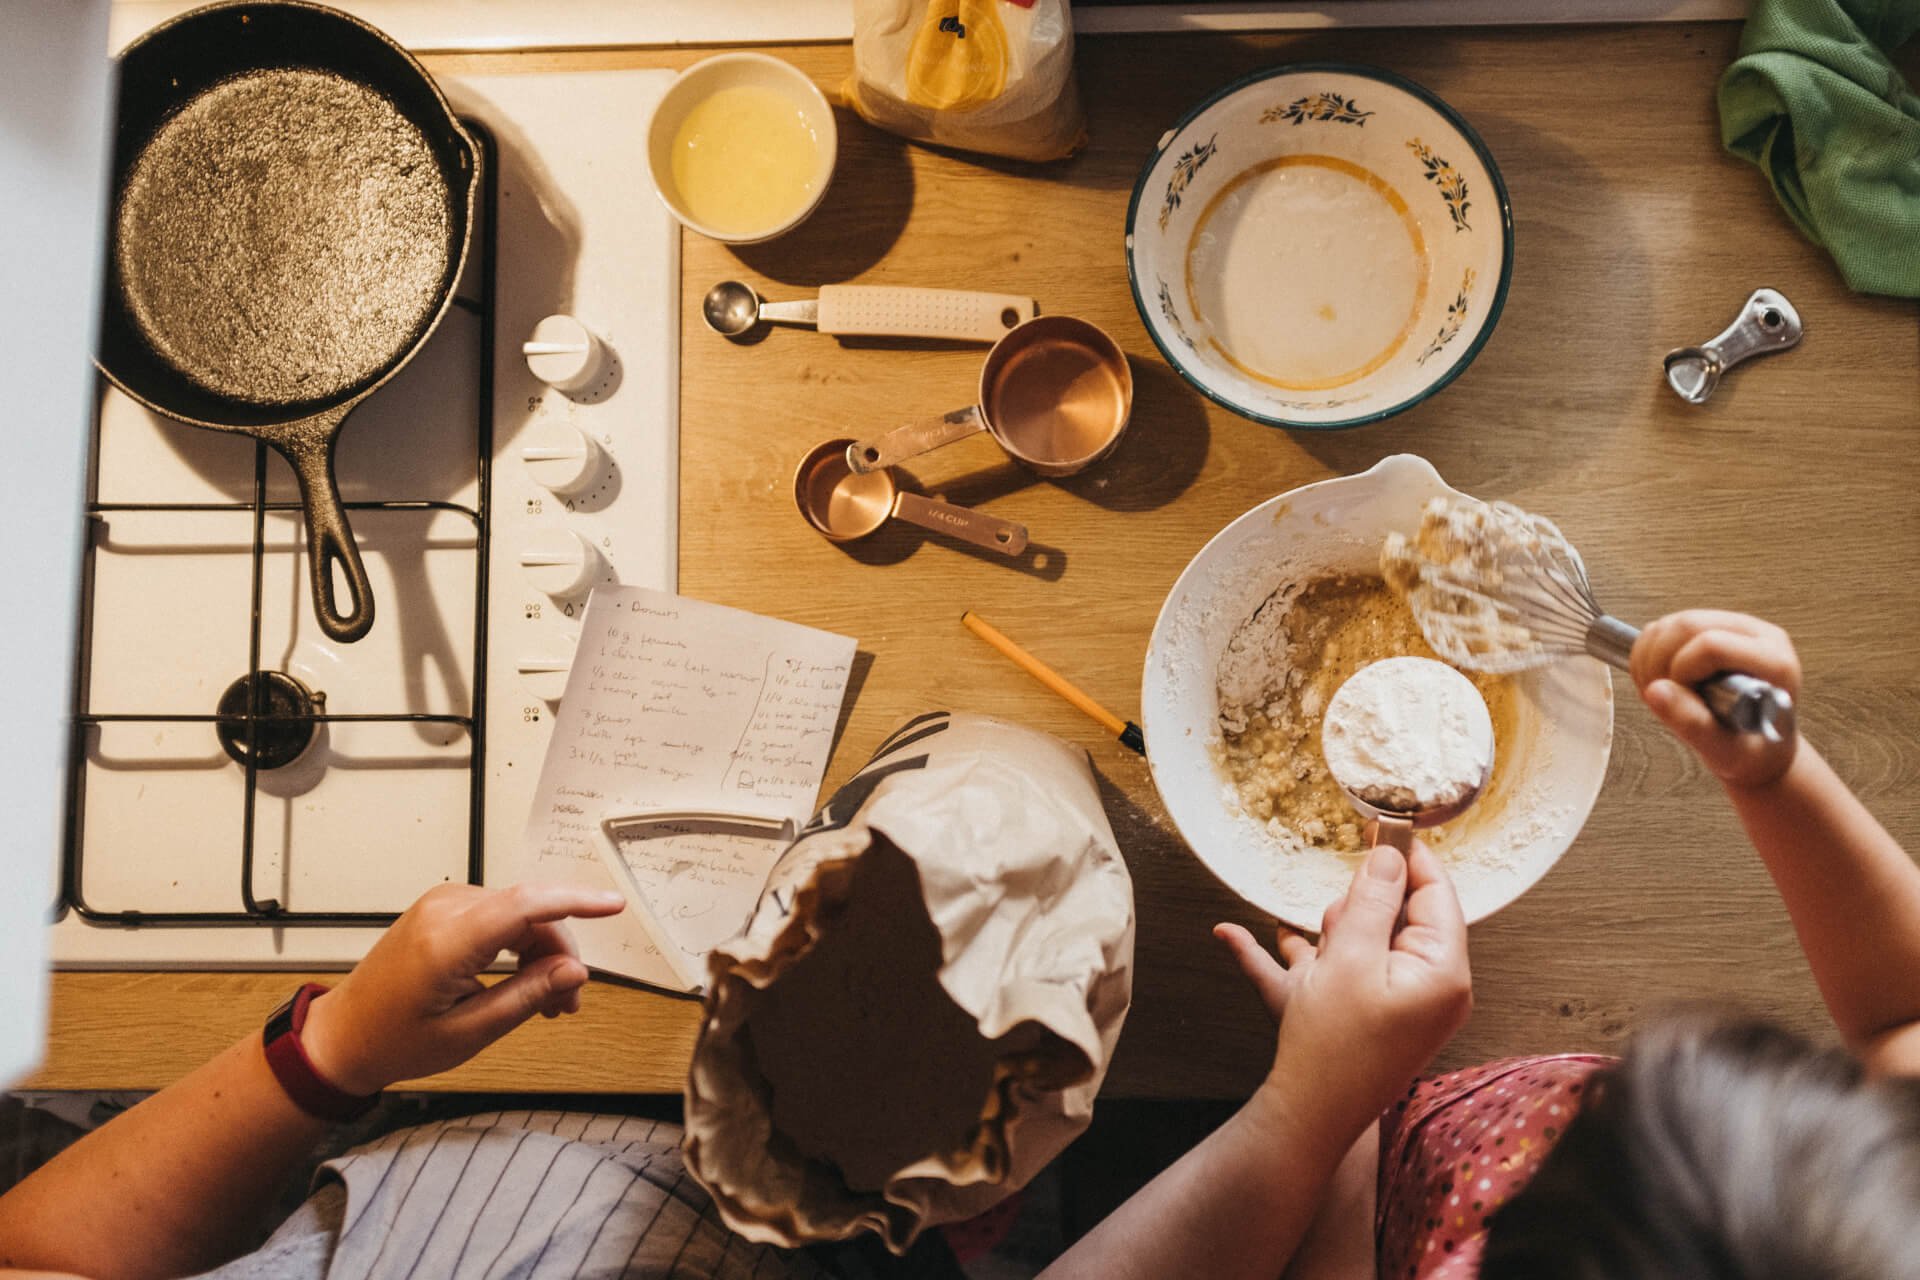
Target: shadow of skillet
1577, 265
1186, 987
864, 211
398, 453
540, 228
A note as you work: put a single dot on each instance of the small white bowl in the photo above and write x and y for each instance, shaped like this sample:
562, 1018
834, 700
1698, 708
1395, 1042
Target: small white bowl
1555, 762
1320, 245
726, 71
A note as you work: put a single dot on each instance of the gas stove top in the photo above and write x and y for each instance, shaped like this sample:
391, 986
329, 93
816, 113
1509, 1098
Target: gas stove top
487, 502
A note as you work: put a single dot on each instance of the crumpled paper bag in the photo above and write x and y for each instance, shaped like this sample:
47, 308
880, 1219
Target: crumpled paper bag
925, 1000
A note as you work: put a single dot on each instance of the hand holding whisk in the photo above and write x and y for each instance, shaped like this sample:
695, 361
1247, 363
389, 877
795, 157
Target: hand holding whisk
1498, 589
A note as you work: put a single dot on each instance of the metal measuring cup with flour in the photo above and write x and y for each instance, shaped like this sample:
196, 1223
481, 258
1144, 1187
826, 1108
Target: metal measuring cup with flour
1410, 742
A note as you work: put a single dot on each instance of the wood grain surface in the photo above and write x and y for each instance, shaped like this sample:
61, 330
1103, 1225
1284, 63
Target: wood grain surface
1790, 495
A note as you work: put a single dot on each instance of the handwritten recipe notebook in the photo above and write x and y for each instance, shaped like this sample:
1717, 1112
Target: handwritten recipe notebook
679, 705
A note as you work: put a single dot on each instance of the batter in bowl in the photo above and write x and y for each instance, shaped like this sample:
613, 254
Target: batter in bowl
1280, 669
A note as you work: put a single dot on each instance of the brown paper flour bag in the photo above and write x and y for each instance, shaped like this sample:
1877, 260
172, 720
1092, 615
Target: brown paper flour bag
922, 1007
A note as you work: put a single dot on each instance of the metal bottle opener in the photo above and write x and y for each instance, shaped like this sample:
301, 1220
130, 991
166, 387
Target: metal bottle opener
1768, 323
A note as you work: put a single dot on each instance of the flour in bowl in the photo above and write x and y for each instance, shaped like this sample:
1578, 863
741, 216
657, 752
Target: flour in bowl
1407, 734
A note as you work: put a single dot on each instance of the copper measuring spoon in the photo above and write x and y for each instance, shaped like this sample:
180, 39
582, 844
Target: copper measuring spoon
844, 505
1055, 392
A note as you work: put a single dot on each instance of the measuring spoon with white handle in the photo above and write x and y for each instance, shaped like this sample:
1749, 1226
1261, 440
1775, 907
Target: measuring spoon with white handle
733, 309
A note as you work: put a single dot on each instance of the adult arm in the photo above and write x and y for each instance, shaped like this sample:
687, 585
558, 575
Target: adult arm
181, 1182
1851, 890
1360, 1014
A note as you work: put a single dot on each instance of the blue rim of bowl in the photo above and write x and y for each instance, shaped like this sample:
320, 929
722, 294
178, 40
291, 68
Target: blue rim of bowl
1365, 72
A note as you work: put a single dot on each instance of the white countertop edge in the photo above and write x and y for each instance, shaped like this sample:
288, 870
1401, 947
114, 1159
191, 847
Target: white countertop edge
470, 26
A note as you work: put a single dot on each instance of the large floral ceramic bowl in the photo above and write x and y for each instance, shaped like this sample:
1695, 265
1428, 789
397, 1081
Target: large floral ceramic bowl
1320, 245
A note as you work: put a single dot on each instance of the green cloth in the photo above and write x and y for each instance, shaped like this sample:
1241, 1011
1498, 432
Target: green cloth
1814, 101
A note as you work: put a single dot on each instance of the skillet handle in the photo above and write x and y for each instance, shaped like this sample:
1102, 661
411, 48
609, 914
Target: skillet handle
309, 448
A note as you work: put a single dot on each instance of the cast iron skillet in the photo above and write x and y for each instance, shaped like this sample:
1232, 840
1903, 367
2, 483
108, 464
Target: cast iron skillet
291, 200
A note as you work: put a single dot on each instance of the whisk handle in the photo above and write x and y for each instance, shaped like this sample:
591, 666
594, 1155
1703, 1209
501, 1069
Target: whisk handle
1740, 702
1748, 705
1611, 640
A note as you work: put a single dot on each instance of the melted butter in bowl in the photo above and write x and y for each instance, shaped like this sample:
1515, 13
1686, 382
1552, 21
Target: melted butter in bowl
746, 159
742, 147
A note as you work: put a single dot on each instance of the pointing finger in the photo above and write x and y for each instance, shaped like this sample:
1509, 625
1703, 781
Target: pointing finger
504, 916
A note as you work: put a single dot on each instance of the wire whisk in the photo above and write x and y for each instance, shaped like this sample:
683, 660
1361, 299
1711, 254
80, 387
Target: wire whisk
1498, 589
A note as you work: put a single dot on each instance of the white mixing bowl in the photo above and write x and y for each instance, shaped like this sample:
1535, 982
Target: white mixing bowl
1555, 760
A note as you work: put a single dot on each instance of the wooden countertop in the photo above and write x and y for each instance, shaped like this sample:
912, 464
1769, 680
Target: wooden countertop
1791, 495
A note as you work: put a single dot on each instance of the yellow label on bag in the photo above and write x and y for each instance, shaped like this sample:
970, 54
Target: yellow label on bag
959, 56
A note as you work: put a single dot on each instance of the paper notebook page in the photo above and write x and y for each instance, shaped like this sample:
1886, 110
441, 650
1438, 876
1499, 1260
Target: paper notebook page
678, 705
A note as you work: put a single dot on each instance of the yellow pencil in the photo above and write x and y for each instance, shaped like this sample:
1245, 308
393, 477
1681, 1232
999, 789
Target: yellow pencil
1126, 730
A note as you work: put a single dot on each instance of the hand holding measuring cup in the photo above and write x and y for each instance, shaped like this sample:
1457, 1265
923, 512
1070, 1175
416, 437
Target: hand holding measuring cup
1055, 392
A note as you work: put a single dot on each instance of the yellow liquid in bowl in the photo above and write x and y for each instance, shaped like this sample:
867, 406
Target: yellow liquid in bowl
746, 160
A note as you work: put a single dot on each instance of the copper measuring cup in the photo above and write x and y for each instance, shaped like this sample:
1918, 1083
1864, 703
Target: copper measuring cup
844, 505
1056, 393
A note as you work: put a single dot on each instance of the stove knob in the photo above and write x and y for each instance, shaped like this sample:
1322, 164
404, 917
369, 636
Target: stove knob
564, 354
561, 563
562, 458
545, 678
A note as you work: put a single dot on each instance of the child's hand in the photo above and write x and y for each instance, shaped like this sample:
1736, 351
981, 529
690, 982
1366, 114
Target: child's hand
1364, 1011
1681, 650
